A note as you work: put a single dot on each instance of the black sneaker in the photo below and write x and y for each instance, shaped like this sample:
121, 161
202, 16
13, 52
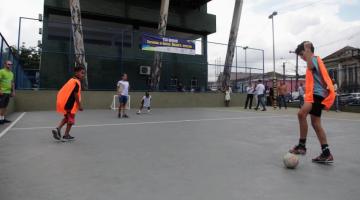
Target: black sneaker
298, 149
324, 159
6, 121
125, 116
55, 134
1, 122
119, 115
68, 137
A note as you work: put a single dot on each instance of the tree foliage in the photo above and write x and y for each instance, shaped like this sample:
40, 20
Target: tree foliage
29, 57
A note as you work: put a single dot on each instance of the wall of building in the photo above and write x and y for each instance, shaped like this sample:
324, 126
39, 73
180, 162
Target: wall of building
146, 11
344, 67
346, 74
125, 21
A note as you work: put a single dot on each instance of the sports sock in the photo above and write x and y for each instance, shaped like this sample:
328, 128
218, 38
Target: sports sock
302, 142
325, 149
2, 117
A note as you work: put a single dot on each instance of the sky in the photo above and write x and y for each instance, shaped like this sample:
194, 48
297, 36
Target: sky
329, 24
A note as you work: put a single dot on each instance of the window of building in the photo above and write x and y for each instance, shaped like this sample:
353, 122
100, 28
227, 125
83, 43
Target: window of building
351, 75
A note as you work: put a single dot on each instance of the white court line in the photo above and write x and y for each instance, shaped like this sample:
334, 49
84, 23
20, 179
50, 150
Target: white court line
11, 125
341, 119
154, 122
285, 115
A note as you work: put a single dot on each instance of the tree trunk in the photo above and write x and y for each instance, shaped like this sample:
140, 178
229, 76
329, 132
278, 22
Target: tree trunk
78, 37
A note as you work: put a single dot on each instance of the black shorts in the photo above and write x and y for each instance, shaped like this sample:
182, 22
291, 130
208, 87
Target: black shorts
317, 107
4, 100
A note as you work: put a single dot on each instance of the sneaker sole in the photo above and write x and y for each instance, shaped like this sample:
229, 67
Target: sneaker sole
323, 162
302, 154
66, 140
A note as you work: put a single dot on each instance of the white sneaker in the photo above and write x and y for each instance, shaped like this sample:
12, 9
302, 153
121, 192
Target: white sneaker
138, 112
148, 111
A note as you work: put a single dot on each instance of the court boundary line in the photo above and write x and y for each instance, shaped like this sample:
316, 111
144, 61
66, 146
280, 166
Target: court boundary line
152, 122
6, 130
284, 115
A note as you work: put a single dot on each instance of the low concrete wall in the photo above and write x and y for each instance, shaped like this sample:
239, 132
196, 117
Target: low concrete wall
11, 107
45, 100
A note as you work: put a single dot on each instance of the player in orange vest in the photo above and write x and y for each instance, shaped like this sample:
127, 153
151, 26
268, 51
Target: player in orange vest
319, 94
68, 102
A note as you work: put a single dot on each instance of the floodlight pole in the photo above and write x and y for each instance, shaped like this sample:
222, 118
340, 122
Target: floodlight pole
40, 19
274, 73
17, 67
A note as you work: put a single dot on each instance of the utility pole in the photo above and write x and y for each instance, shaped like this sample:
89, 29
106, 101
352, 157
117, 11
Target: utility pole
296, 71
284, 72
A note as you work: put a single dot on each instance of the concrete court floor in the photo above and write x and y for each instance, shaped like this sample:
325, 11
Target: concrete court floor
177, 154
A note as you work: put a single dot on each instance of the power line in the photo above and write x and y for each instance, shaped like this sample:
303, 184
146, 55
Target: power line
340, 40
301, 7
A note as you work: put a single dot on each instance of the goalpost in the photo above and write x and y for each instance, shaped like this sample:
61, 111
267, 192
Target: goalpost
115, 103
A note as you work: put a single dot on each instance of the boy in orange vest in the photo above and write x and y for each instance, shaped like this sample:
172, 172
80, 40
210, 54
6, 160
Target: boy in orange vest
319, 94
68, 102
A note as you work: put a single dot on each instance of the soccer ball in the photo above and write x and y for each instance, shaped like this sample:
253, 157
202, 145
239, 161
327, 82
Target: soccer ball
291, 160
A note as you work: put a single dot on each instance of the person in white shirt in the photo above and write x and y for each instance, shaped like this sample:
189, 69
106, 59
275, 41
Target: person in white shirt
227, 96
260, 92
249, 96
301, 95
145, 102
123, 92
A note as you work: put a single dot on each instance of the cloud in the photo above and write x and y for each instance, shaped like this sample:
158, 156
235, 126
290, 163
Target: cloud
9, 20
317, 21
351, 2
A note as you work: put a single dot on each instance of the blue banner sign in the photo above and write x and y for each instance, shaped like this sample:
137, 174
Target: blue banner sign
167, 44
